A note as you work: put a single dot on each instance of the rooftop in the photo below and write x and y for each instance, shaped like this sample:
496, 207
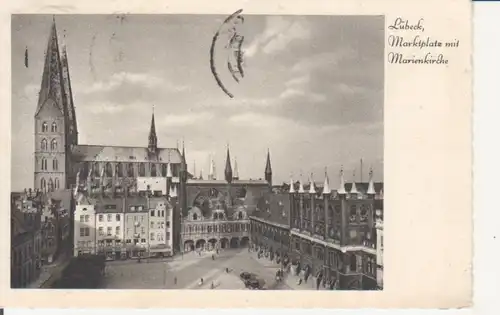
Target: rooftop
124, 154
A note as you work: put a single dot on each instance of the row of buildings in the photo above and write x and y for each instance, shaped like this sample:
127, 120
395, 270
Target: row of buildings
335, 235
40, 233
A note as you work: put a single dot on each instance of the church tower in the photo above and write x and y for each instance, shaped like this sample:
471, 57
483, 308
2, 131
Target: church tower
55, 122
152, 139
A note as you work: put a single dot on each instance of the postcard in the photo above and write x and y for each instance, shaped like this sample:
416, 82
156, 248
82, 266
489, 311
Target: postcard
238, 154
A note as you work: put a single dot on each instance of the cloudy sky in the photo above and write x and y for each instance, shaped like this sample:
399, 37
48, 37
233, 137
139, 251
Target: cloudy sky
312, 91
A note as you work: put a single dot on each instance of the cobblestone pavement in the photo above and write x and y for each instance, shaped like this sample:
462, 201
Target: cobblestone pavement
189, 270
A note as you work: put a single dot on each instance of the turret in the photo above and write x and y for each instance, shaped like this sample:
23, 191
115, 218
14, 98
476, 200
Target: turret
341, 191
228, 171
268, 173
371, 186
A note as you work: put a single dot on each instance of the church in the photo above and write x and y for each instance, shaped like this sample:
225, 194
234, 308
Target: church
208, 212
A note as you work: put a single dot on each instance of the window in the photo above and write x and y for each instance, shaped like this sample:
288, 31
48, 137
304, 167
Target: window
152, 225
153, 170
101, 218
118, 217
142, 169
45, 127
56, 183
110, 218
108, 170
168, 224
117, 230
53, 128
51, 185
240, 215
128, 241
164, 170
195, 217
130, 170
143, 240
139, 208
44, 164
152, 235
87, 231
109, 230
82, 218
162, 225
53, 145
132, 208
43, 145
168, 236
87, 218
143, 230
118, 170
101, 231
42, 184
84, 209
152, 213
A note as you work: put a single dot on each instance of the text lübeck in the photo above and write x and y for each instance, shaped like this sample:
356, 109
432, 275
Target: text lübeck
417, 42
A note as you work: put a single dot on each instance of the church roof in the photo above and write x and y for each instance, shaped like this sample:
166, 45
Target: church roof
101, 153
224, 182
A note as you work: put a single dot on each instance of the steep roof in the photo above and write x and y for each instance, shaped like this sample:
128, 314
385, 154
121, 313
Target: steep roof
101, 153
274, 208
52, 78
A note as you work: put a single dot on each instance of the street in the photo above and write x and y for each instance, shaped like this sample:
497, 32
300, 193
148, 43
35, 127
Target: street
189, 270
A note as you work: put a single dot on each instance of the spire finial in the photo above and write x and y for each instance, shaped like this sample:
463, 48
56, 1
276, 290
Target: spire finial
371, 185
341, 190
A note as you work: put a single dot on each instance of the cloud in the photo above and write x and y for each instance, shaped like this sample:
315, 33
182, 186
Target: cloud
104, 108
323, 60
301, 80
185, 119
116, 80
278, 34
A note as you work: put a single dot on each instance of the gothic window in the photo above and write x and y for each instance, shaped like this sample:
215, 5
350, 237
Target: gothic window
44, 164
55, 165
142, 169
164, 170
53, 145
109, 170
53, 128
51, 185
45, 127
56, 183
240, 215
118, 170
43, 184
352, 213
43, 145
195, 217
130, 170
153, 170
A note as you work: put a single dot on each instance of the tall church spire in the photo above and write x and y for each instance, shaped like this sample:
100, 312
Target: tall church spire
268, 172
51, 87
152, 139
68, 93
228, 171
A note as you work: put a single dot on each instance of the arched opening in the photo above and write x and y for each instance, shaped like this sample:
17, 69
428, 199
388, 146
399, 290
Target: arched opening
45, 127
240, 215
43, 145
51, 185
224, 243
164, 170
200, 244
56, 183
43, 184
195, 217
54, 127
188, 246
244, 241
53, 145
153, 170
96, 170
55, 165
212, 244
44, 164
234, 242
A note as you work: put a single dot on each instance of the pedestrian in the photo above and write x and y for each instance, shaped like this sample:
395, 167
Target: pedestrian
212, 285
201, 281
227, 270
175, 281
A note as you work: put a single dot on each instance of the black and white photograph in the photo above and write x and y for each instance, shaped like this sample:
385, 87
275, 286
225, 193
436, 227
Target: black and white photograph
197, 151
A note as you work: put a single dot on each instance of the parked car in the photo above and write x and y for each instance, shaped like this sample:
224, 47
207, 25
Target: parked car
247, 276
253, 284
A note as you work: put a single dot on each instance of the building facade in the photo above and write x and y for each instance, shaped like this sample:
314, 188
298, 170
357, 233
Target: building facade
26, 245
85, 241
379, 225
333, 236
270, 227
216, 214
160, 227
